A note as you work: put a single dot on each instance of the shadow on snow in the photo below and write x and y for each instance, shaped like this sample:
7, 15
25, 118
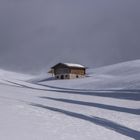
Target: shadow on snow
90, 90
118, 94
102, 106
96, 120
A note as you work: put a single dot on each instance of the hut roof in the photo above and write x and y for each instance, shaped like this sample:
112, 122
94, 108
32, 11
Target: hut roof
74, 65
70, 65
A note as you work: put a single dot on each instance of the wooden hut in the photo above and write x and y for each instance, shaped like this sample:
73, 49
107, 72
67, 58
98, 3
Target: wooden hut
68, 71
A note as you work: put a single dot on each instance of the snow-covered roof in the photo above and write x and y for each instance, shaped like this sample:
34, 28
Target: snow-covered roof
74, 65
70, 65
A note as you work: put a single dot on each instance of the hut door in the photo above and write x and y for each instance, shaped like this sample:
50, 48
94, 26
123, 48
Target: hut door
62, 76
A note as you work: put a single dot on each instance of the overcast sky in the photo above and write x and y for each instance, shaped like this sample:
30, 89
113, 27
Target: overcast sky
35, 34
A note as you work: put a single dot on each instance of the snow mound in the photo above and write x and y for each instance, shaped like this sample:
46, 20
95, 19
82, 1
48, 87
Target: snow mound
118, 76
32, 111
6, 76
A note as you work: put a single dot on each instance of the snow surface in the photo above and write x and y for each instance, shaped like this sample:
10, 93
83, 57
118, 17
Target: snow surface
104, 106
119, 76
6, 76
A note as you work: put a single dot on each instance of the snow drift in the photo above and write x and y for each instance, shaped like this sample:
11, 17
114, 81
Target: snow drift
68, 110
119, 76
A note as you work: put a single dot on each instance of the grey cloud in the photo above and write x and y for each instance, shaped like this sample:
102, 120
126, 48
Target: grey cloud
35, 34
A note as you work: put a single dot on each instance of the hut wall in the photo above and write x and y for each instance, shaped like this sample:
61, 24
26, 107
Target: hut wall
74, 76
62, 71
78, 71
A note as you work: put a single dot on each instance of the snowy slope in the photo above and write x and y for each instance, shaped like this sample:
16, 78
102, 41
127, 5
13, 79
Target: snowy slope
30, 111
119, 76
6, 76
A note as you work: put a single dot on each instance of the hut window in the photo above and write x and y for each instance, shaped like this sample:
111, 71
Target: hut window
66, 76
77, 76
57, 77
